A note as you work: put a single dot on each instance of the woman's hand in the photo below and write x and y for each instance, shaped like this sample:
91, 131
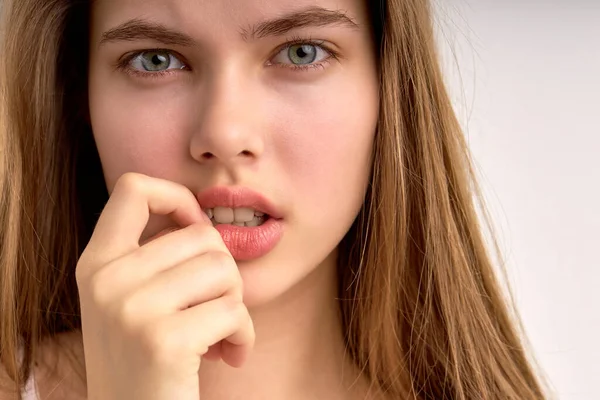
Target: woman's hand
150, 312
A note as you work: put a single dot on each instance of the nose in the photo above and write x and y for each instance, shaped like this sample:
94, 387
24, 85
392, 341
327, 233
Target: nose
227, 129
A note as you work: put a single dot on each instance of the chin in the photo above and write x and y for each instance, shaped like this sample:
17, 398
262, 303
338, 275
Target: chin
276, 278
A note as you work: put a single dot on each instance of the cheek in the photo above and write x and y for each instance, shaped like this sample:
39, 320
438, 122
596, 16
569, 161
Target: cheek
327, 142
137, 133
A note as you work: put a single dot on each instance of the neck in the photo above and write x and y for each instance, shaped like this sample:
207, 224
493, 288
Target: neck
299, 350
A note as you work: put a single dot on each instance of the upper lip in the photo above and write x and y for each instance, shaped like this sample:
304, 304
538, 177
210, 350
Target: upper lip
236, 197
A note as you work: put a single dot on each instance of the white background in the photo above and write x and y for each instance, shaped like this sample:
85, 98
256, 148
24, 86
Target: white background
526, 86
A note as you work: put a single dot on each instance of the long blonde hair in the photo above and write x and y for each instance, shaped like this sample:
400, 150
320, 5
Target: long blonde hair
424, 314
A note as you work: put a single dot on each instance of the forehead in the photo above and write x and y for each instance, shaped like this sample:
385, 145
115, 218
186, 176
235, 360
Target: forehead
209, 17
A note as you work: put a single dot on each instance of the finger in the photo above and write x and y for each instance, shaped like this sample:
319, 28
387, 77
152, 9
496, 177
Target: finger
162, 233
228, 352
223, 319
166, 252
213, 353
236, 349
126, 214
179, 246
198, 280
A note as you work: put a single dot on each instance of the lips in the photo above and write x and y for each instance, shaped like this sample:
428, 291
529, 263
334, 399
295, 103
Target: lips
244, 242
237, 198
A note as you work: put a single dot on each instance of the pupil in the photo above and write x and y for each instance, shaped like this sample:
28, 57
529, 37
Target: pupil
158, 59
153, 61
301, 53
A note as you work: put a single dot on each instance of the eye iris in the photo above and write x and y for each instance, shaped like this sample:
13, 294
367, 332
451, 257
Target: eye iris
302, 54
155, 61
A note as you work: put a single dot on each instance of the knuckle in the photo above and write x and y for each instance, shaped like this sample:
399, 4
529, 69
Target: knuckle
81, 272
138, 258
207, 233
233, 281
200, 230
152, 337
225, 263
98, 286
126, 312
241, 313
240, 317
220, 259
236, 309
84, 267
161, 343
130, 182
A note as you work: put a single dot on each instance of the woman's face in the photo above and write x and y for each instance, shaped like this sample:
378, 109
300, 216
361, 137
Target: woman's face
277, 96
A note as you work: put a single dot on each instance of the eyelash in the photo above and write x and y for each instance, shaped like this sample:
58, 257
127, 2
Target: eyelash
123, 64
296, 40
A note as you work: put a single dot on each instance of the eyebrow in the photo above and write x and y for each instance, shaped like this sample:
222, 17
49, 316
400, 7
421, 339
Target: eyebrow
140, 29
313, 16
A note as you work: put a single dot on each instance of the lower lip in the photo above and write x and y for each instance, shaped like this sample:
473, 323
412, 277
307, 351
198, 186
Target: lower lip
247, 243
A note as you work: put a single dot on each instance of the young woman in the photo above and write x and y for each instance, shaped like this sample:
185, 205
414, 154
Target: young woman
241, 199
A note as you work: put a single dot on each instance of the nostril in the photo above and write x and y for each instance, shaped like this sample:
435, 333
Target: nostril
209, 156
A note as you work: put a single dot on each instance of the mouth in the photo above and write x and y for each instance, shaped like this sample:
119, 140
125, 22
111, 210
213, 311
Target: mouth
250, 225
231, 205
241, 216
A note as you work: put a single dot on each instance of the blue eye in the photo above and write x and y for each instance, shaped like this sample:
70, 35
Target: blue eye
155, 61
301, 54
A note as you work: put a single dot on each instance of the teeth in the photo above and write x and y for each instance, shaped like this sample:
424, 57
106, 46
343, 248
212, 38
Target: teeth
223, 215
256, 221
242, 216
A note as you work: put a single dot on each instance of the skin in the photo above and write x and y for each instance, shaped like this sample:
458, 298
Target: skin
238, 114
309, 133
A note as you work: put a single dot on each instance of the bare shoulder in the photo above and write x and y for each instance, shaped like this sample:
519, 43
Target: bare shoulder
59, 368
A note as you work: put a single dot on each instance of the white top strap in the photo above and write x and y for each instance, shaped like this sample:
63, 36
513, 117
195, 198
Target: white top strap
29, 391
